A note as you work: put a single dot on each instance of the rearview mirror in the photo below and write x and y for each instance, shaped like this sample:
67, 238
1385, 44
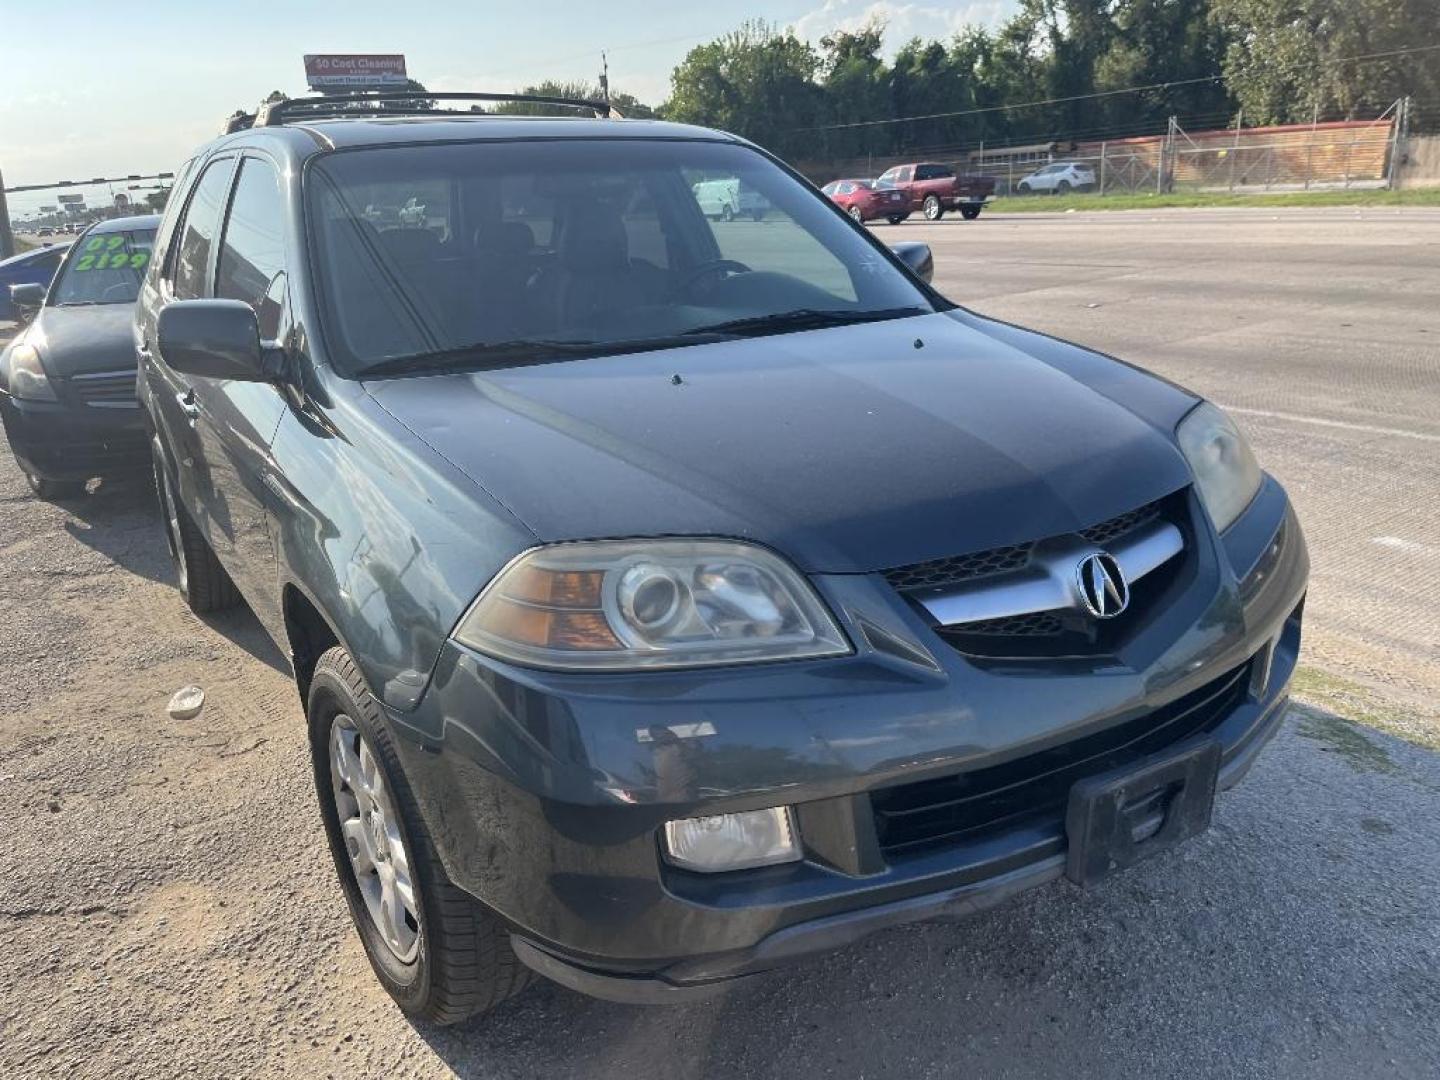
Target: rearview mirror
217, 339
27, 298
918, 258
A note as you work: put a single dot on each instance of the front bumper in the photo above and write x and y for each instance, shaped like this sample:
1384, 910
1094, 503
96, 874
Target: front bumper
545, 792
65, 441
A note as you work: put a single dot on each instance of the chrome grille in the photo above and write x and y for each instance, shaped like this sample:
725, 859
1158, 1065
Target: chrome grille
955, 569
105, 387
938, 573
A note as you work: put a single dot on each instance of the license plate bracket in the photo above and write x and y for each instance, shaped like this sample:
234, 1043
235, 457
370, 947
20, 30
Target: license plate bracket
1118, 818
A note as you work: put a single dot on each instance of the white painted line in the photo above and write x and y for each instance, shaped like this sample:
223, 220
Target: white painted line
1401, 544
1346, 425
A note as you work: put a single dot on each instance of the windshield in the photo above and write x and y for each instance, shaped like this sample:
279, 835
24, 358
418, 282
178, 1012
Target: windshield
498, 253
104, 268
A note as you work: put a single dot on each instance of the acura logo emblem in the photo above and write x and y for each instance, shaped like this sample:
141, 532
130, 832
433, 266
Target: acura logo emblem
1102, 586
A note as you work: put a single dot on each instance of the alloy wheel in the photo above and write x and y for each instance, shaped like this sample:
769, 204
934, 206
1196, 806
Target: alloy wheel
371, 828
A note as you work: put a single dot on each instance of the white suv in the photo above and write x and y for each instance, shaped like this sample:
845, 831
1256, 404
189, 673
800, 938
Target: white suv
1059, 178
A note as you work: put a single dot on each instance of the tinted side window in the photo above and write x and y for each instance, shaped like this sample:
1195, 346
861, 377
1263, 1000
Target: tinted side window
197, 234
252, 254
49, 261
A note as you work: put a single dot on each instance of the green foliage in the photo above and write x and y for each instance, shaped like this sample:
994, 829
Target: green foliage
1284, 57
627, 104
1079, 59
756, 81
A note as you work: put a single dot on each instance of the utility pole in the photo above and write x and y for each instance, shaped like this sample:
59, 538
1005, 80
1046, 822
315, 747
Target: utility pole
7, 239
604, 78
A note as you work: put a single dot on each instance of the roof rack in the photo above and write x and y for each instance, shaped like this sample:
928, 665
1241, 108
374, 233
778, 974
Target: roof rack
394, 103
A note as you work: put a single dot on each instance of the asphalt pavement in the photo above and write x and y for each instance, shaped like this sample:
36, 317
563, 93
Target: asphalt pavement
169, 906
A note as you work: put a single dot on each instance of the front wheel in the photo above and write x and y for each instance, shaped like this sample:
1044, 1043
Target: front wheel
970, 213
437, 952
855, 215
1063, 188
896, 219
933, 210
51, 490
757, 215
1023, 188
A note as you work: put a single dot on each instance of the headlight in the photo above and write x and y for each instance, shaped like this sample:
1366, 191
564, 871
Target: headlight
614, 605
732, 841
25, 376
1226, 473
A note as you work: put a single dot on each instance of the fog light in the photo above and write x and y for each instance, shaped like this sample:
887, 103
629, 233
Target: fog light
732, 841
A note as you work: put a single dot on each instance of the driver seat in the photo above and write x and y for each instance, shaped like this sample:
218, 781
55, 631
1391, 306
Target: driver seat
594, 274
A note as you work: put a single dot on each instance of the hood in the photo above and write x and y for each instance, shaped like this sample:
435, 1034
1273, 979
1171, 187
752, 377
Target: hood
849, 449
79, 340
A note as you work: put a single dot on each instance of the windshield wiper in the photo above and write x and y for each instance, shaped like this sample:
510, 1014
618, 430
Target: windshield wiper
801, 319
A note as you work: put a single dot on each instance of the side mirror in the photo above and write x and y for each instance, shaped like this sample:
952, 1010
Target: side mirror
217, 339
27, 298
918, 258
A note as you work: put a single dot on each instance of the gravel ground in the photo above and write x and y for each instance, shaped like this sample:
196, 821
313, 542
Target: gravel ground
169, 908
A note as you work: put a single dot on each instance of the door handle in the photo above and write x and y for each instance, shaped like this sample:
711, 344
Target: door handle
188, 405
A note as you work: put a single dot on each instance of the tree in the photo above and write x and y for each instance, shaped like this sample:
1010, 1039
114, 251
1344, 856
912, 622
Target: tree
757, 81
1286, 58
627, 104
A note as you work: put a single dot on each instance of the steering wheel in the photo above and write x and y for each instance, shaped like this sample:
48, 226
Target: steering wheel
699, 273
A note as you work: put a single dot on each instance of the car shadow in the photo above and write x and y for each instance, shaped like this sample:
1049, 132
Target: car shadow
120, 519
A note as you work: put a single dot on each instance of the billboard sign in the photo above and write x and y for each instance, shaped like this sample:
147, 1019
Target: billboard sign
354, 71
78, 200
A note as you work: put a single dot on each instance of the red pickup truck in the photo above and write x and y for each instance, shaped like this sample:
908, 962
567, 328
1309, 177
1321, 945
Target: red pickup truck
932, 189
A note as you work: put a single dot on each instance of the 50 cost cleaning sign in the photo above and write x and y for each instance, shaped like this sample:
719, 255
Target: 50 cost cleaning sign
361, 71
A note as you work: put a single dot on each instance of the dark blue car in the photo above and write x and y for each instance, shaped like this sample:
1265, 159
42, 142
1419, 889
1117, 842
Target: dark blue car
34, 267
672, 597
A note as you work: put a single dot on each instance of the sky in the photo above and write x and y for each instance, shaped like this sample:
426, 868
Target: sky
96, 88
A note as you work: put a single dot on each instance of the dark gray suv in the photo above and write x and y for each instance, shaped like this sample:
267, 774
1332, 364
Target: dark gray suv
673, 597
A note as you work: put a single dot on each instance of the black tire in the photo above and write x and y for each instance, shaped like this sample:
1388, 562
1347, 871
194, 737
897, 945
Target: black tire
1023, 188
757, 215
464, 964
896, 219
201, 579
855, 215
1063, 188
932, 208
52, 490
970, 213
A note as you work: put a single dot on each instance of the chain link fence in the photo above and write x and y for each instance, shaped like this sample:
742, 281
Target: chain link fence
1376, 148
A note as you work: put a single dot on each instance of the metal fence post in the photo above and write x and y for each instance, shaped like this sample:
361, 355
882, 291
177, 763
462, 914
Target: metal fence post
1310, 148
1235, 149
1397, 143
1102, 166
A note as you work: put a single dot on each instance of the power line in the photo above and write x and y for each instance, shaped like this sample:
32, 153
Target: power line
1096, 94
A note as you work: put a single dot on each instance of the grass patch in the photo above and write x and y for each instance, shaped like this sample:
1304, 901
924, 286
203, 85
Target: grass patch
22, 245
1344, 737
1142, 201
1361, 705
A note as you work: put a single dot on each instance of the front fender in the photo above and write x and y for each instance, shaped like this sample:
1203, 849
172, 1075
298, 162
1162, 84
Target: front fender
388, 541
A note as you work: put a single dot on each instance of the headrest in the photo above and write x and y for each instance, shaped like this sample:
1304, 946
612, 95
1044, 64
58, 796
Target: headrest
593, 238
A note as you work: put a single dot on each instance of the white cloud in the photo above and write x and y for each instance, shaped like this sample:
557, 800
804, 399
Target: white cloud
902, 21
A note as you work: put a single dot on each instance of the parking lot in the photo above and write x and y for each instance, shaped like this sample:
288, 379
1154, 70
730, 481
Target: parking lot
170, 906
